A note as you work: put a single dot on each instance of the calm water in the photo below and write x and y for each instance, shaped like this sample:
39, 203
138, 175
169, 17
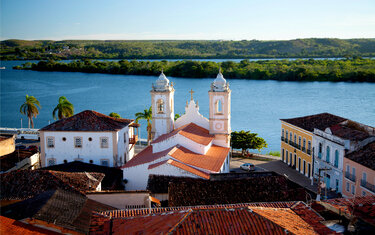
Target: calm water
256, 105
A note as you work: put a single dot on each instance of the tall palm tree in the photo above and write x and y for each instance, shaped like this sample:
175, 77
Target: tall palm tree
114, 115
147, 115
30, 109
63, 109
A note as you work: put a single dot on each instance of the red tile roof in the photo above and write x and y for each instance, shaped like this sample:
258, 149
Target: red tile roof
138, 212
349, 133
146, 156
254, 218
11, 226
311, 217
191, 131
364, 156
189, 169
361, 207
22, 184
320, 121
10, 160
213, 160
88, 120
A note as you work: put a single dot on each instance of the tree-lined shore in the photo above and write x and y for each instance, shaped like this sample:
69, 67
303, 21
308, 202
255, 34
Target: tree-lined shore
185, 49
346, 70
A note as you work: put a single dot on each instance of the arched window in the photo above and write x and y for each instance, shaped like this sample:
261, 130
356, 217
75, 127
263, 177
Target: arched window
328, 154
336, 158
295, 138
219, 106
291, 136
160, 106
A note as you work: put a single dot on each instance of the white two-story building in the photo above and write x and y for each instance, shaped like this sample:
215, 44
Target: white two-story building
330, 147
89, 137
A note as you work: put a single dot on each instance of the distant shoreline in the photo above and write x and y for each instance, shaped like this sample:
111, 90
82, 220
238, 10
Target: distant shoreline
341, 70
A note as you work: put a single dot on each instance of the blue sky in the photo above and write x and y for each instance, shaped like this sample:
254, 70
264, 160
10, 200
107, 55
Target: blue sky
187, 19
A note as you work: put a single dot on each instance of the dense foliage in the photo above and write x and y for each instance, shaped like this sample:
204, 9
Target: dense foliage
357, 69
182, 49
245, 140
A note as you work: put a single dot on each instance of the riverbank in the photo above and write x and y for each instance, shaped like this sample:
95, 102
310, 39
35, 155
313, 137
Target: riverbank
343, 70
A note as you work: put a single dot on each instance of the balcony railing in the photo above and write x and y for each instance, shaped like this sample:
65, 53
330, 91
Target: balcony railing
133, 140
367, 185
282, 138
304, 149
350, 176
308, 151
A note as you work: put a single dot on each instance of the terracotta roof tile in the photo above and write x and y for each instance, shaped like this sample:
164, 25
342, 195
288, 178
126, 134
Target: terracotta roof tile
62, 208
349, 133
212, 160
361, 207
113, 179
312, 218
10, 160
320, 121
191, 191
364, 156
189, 169
146, 156
88, 121
22, 184
11, 226
191, 131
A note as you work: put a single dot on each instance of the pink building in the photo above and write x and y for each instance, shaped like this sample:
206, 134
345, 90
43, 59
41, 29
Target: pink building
359, 172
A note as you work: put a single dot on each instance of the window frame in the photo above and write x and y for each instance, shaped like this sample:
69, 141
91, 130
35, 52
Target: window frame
105, 159
49, 159
101, 142
75, 141
53, 141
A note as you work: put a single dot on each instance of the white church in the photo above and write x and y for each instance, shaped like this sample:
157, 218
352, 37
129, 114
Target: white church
191, 146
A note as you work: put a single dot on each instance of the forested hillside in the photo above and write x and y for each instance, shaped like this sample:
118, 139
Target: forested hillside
81, 49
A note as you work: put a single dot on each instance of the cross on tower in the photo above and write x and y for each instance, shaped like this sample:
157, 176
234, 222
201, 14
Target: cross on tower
191, 93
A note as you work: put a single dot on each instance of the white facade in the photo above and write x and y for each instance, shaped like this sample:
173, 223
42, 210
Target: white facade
324, 143
92, 149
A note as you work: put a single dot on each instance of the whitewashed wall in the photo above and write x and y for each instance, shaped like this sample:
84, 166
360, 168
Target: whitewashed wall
122, 200
192, 115
183, 141
90, 150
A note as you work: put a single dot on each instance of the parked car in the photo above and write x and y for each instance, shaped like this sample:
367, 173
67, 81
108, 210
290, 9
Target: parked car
247, 167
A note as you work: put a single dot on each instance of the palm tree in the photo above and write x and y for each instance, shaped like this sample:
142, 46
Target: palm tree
147, 115
64, 109
114, 115
30, 109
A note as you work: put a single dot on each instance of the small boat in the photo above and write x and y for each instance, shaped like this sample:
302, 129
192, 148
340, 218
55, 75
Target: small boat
2, 67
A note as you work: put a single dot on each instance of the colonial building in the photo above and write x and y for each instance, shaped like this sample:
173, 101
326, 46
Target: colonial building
330, 147
191, 146
297, 139
89, 137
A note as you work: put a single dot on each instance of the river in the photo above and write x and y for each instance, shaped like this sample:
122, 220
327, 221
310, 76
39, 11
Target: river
256, 105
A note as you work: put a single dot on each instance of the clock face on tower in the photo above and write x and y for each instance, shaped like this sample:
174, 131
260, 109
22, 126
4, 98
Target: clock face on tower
218, 126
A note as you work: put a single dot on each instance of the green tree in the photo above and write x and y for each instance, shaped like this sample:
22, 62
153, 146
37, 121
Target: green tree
30, 109
147, 115
245, 140
114, 115
176, 116
63, 109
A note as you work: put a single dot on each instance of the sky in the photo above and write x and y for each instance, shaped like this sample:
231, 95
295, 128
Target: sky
186, 19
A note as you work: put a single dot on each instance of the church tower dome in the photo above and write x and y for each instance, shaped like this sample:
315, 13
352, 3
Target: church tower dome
162, 83
219, 84
162, 103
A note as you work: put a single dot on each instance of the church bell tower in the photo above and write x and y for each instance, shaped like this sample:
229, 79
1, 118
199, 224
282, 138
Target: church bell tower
162, 103
219, 118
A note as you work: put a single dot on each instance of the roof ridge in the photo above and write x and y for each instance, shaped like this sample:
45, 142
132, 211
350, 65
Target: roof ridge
188, 213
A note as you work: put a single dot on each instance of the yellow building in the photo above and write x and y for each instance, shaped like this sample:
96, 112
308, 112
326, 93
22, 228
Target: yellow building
297, 140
